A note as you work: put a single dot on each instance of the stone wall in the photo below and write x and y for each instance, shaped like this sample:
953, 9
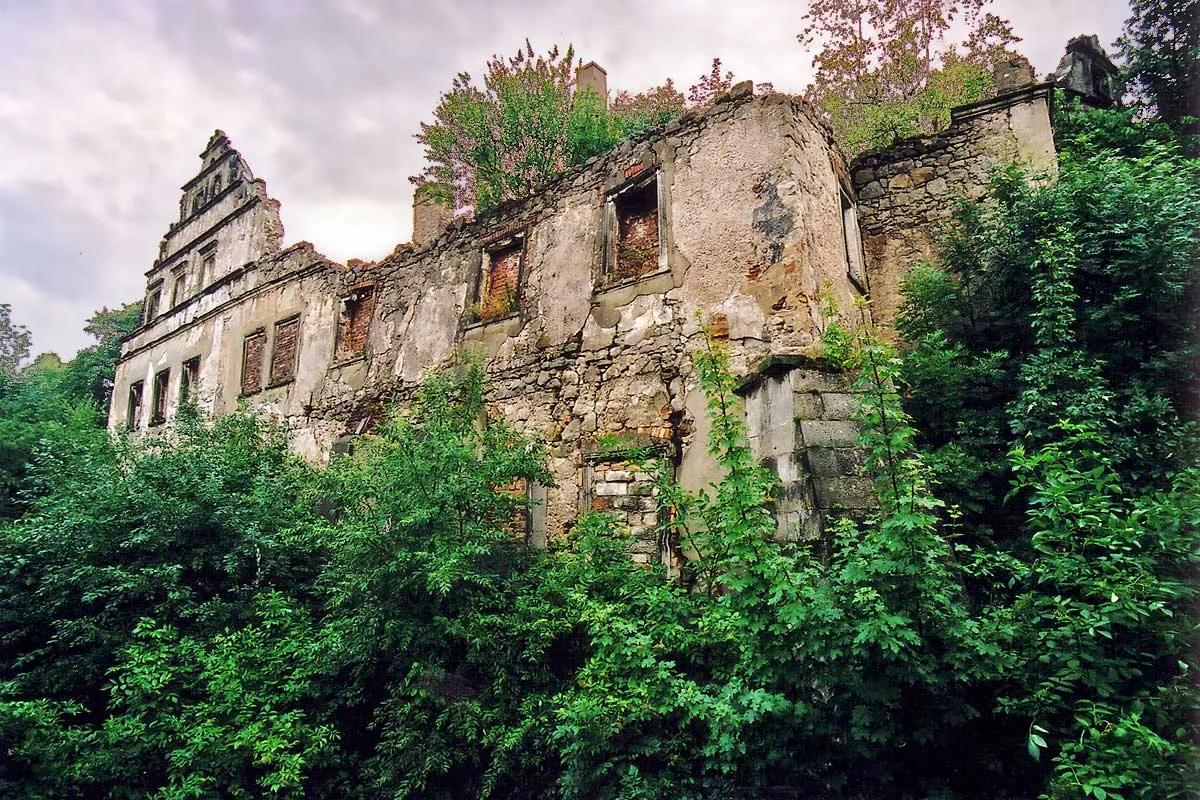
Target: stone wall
906, 192
800, 416
749, 232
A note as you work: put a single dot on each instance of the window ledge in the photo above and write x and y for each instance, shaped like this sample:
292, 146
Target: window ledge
251, 394
346, 362
284, 382
605, 287
483, 323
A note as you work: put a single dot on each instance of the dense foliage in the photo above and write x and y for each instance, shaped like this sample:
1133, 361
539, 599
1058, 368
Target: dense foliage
886, 69
41, 396
527, 124
1161, 50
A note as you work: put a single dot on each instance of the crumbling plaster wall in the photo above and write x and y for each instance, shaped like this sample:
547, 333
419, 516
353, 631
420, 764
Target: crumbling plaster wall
213, 326
906, 192
753, 233
751, 205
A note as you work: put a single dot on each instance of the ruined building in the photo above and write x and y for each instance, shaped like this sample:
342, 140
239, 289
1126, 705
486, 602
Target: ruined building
586, 299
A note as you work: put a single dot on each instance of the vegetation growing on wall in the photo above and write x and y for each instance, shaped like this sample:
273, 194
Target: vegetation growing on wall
886, 70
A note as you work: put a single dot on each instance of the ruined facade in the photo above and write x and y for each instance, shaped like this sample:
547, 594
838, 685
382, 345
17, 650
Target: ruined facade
586, 300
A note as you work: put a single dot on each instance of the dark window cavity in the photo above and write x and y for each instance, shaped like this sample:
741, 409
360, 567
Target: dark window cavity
355, 323
158, 409
134, 416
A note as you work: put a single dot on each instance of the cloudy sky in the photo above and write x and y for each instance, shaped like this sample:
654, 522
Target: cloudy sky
105, 105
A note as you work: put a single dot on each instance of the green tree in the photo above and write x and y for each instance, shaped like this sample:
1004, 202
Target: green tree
1161, 49
514, 134
14, 343
884, 69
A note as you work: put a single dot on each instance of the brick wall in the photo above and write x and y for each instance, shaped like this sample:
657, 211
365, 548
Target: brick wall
283, 356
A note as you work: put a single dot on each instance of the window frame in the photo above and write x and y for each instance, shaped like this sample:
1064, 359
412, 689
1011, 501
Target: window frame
258, 333
515, 239
153, 302
856, 268
179, 281
189, 379
158, 397
272, 380
133, 410
611, 241
355, 296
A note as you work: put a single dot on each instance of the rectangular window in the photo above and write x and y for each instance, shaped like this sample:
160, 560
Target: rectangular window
189, 380
500, 278
283, 357
153, 298
853, 238
253, 349
134, 417
179, 285
158, 409
208, 264
633, 242
355, 323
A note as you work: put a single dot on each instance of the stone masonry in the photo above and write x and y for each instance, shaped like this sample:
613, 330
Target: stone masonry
586, 302
907, 191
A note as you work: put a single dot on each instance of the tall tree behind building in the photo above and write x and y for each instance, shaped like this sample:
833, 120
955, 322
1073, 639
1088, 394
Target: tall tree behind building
1161, 49
885, 69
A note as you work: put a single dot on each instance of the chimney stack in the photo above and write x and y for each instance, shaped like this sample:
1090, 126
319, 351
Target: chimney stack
592, 77
431, 217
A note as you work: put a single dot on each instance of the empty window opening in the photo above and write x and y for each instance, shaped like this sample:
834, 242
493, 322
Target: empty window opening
153, 298
634, 246
134, 416
158, 409
853, 239
189, 380
283, 357
355, 323
179, 285
499, 279
253, 349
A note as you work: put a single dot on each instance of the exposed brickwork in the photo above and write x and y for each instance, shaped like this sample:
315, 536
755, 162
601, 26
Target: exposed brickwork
637, 233
355, 323
283, 357
626, 488
253, 350
498, 295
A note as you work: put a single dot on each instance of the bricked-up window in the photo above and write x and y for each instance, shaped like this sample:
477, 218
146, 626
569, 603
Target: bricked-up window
253, 350
355, 323
633, 246
283, 357
853, 238
189, 379
158, 407
153, 298
500, 278
178, 285
134, 415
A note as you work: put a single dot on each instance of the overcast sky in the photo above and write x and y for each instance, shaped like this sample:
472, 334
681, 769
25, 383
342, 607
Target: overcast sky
106, 104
